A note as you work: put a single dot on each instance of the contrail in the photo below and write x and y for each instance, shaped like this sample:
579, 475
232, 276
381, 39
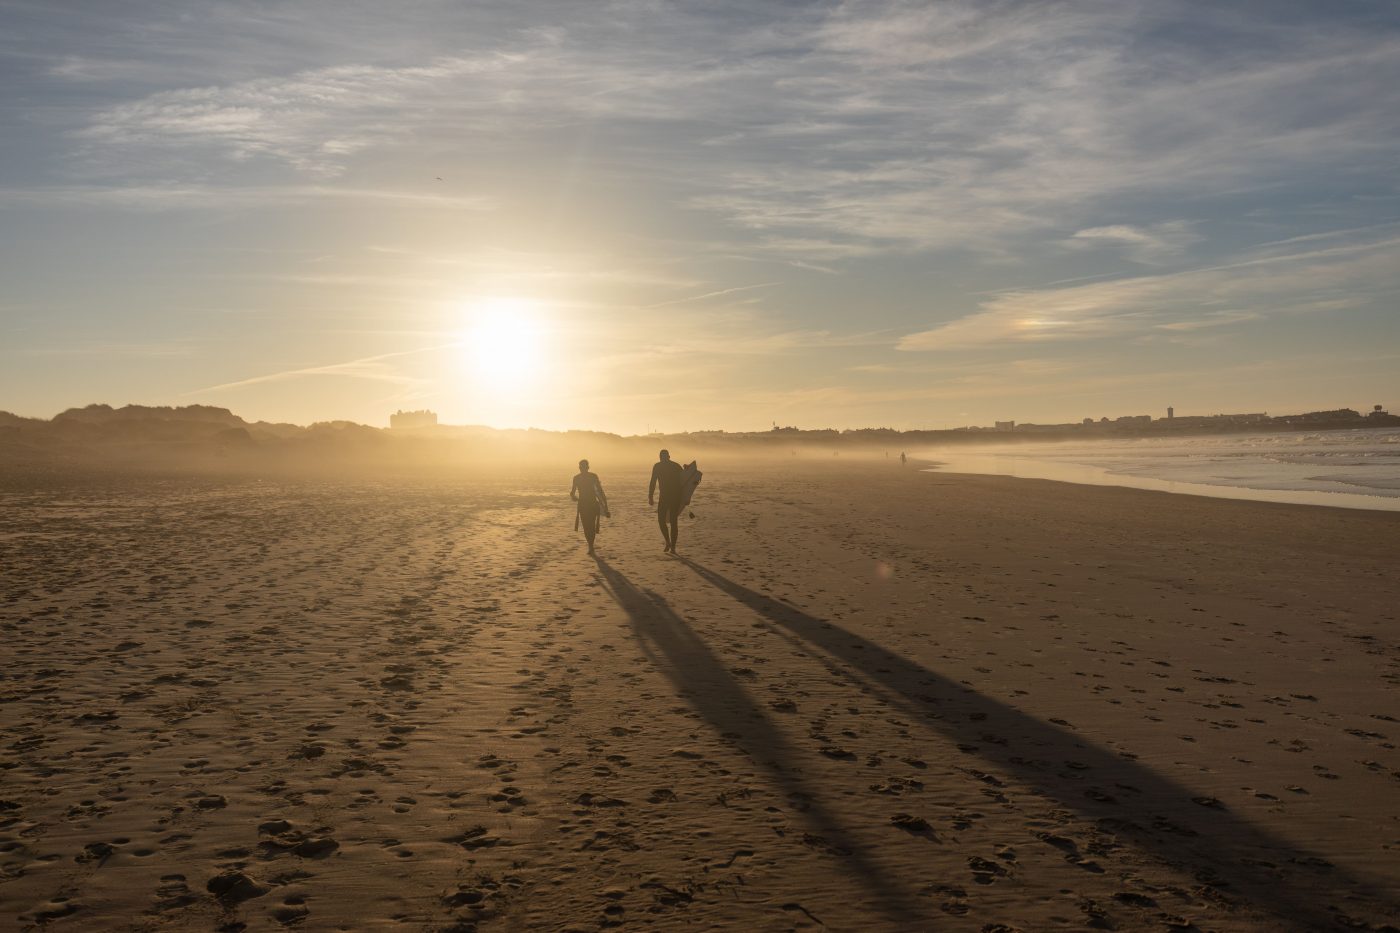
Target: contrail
334, 369
723, 291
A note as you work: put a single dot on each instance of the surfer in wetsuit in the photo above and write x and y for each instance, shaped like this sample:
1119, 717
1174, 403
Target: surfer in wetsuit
667, 474
587, 491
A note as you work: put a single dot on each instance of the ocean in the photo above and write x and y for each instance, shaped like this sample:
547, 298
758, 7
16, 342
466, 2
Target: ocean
1357, 469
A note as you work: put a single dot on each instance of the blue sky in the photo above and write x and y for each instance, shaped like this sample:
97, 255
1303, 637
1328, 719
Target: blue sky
706, 215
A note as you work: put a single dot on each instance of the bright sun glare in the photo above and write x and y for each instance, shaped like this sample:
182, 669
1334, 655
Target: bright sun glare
505, 343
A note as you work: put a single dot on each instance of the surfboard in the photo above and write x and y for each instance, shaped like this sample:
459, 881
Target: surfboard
690, 478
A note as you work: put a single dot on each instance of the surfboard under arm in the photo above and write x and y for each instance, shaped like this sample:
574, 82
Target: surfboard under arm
690, 478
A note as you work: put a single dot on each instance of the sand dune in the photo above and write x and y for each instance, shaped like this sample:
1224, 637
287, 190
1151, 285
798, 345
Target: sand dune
863, 698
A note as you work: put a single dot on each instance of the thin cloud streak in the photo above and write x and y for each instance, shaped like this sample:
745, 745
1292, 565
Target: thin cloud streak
166, 349
304, 119
363, 368
1151, 245
723, 291
234, 197
1213, 296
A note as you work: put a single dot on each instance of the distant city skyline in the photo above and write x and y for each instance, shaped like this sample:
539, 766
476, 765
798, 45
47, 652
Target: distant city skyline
1172, 415
415, 421
683, 217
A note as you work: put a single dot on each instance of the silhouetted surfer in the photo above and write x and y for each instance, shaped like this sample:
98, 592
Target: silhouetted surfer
592, 503
668, 475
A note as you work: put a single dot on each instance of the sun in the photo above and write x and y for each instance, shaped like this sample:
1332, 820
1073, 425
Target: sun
505, 343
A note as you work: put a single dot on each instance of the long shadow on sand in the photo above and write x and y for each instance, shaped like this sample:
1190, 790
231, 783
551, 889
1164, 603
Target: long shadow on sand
700, 676
1229, 857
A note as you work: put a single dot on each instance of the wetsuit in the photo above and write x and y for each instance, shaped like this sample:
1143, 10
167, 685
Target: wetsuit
668, 475
589, 493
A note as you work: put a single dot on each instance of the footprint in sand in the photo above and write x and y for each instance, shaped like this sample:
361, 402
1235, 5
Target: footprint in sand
466, 897
822, 844
915, 825
475, 838
985, 871
897, 786
292, 911
284, 837
509, 795
95, 853
1070, 850
837, 752
173, 893
955, 904
232, 887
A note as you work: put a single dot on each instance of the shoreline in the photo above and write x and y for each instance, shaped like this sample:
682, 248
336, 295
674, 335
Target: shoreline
1019, 467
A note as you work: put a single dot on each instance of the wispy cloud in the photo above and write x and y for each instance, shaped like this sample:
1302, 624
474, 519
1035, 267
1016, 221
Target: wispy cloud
707, 295
1215, 319
142, 197
832, 132
1253, 289
372, 368
313, 120
1153, 244
984, 125
153, 350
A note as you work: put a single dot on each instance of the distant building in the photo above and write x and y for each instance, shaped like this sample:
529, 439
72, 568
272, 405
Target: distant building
1171, 413
1045, 428
1005, 425
1336, 416
1133, 419
1378, 417
1218, 422
413, 419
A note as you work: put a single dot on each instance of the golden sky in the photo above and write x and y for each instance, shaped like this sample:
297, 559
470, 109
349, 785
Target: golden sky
641, 216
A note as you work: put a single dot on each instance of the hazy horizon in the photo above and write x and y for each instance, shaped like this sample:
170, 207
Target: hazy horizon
384, 422
667, 218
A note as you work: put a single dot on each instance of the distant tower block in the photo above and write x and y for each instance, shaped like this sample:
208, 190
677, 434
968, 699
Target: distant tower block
413, 419
1171, 412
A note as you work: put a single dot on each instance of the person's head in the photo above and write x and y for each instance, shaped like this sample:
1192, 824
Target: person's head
583, 466
665, 455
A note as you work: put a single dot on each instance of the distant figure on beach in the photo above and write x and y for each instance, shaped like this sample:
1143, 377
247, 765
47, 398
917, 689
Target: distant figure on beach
587, 491
902, 459
668, 475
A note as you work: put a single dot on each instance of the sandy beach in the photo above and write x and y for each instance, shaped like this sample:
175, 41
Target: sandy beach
864, 697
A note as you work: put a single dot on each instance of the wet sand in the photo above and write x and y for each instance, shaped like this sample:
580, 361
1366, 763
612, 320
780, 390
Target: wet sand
864, 697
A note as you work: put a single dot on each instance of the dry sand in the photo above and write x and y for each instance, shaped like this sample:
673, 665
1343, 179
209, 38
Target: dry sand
864, 698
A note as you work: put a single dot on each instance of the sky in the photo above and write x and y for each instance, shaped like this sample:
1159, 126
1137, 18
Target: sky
665, 216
